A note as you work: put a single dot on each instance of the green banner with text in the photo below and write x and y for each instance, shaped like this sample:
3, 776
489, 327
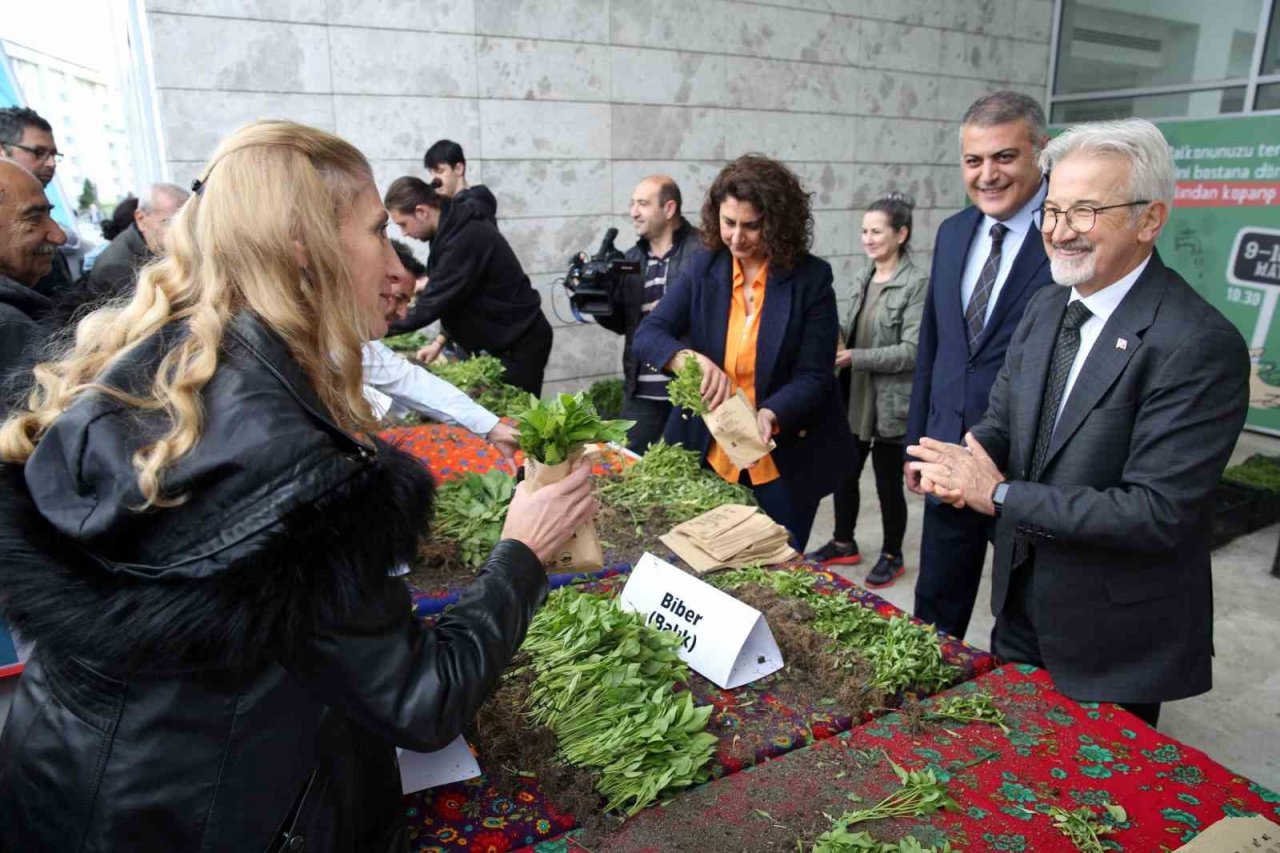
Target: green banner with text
1224, 236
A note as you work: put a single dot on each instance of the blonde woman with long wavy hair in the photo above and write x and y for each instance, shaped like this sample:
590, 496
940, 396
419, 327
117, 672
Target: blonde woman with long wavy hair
196, 530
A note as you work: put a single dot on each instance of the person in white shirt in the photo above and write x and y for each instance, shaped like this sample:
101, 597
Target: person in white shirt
394, 385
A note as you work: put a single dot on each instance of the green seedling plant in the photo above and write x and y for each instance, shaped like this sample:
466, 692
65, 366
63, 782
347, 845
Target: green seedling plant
471, 511
409, 342
685, 388
973, 708
673, 478
920, 793
604, 683
480, 378
841, 840
550, 430
607, 396
902, 653
1085, 828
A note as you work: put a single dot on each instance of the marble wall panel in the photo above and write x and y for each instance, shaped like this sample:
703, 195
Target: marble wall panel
652, 76
301, 11
448, 16
405, 62
565, 20
550, 187
776, 33
672, 24
793, 136
195, 122
401, 128
642, 132
514, 130
540, 70
193, 52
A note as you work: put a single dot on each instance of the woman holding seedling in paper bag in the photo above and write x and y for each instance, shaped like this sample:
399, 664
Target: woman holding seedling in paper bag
755, 318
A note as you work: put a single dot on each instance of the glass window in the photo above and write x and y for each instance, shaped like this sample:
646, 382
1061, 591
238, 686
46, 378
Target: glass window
1271, 54
1210, 102
1135, 44
1268, 97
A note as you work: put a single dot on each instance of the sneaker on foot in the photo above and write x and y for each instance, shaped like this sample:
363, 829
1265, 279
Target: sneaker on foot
835, 554
886, 570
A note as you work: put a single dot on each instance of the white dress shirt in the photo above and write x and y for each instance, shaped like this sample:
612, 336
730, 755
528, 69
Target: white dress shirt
394, 384
1102, 305
1019, 226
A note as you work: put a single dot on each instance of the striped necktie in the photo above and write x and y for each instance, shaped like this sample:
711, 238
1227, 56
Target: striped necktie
975, 314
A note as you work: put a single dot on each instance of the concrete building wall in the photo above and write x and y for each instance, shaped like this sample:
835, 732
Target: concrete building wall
563, 105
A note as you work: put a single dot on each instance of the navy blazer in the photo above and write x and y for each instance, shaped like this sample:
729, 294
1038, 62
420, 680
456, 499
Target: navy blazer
952, 384
795, 362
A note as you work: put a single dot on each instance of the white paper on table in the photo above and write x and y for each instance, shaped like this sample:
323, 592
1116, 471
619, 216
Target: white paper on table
422, 770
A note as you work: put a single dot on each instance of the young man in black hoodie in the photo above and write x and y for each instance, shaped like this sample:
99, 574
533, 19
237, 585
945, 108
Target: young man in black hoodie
448, 167
476, 286
29, 239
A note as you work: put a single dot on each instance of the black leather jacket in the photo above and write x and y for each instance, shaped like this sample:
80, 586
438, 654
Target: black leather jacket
627, 297
218, 674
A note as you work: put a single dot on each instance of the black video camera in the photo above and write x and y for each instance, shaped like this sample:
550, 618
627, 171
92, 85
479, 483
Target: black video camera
589, 278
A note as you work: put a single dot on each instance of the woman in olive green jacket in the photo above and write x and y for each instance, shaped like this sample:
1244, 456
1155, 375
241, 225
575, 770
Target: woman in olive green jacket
881, 331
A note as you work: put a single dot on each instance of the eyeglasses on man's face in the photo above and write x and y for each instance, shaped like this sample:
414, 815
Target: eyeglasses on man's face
1080, 217
39, 151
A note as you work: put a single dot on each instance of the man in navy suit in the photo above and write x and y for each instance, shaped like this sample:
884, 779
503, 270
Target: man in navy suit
1116, 410
987, 263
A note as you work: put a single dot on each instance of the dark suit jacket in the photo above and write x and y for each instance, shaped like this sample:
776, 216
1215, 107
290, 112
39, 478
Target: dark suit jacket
1119, 521
116, 272
951, 384
795, 357
626, 294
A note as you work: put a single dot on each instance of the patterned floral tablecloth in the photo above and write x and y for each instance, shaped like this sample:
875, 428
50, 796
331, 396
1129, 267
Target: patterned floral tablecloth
1058, 752
754, 723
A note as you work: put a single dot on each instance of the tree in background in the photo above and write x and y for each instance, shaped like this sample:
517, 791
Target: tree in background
88, 195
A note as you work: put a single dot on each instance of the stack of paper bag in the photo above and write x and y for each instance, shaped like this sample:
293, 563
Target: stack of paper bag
729, 537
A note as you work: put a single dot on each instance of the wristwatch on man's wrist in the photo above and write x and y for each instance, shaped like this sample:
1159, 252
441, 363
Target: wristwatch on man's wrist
997, 497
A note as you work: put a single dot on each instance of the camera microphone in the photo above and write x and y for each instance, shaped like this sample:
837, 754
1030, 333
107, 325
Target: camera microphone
607, 249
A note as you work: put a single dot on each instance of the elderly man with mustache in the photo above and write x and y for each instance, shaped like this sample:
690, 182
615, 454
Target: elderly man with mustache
1120, 400
28, 239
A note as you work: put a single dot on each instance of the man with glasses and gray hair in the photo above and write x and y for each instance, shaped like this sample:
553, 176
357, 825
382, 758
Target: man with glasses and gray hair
27, 139
1119, 403
115, 272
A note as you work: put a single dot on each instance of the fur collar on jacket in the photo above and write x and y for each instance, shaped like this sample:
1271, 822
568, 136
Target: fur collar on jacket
320, 559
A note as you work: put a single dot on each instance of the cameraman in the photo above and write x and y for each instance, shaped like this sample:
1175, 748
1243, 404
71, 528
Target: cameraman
664, 242
448, 168
477, 288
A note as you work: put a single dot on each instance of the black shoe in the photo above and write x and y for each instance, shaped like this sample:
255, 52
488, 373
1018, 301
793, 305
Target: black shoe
885, 572
833, 554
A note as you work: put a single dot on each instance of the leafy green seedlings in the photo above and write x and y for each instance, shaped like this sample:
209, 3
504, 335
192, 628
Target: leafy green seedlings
471, 511
550, 430
684, 390
673, 478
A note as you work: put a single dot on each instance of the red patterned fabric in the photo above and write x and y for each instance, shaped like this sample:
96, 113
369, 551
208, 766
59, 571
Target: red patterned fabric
754, 723
451, 451
1058, 752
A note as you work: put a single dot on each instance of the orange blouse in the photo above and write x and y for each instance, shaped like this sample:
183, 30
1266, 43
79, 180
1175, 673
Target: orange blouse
740, 365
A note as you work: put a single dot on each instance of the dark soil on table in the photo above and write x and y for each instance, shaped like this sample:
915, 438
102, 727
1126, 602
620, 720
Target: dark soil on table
514, 752
843, 675
625, 539
438, 567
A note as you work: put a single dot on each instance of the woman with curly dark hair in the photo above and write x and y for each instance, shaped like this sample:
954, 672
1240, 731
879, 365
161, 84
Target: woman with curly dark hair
758, 313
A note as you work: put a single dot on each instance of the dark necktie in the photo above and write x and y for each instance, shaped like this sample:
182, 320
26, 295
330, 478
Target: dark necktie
1064, 354
975, 313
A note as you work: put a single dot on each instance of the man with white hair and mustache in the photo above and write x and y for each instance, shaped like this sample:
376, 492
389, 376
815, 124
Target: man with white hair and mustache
28, 239
1116, 410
